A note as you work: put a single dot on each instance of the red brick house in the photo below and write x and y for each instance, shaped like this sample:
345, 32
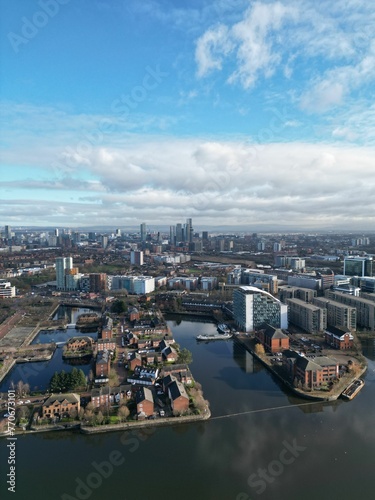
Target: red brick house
145, 402
170, 354
133, 314
105, 396
339, 338
273, 339
60, 405
79, 344
134, 360
181, 372
106, 345
178, 396
310, 373
102, 364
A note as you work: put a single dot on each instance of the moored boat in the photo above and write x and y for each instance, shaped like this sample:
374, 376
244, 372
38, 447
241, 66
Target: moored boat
223, 328
353, 389
214, 336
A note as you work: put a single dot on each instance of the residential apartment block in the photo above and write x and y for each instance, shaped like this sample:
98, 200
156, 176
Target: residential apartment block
339, 315
365, 307
310, 318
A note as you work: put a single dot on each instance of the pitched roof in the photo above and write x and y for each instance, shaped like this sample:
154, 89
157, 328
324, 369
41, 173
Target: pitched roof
69, 398
176, 389
144, 394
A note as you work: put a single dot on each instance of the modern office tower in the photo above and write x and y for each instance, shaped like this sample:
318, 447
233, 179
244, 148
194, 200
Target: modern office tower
276, 247
143, 231
136, 258
252, 308
338, 315
205, 235
261, 246
104, 240
56, 232
76, 237
8, 232
189, 231
118, 233
179, 236
172, 235
63, 266
312, 319
358, 266
92, 236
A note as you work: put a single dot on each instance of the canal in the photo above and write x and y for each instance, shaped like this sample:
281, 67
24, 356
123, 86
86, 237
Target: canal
261, 443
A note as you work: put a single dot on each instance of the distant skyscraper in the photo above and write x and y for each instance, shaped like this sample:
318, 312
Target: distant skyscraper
8, 233
136, 258
178, 233
172, 235
143, 231
189, 230
63, 265
104, 240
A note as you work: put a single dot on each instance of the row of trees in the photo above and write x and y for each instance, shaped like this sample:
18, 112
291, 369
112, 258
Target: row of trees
63, 382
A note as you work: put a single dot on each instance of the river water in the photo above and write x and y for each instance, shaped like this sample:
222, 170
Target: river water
261, 443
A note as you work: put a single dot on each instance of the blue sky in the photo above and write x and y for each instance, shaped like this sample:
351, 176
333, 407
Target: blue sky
240, 113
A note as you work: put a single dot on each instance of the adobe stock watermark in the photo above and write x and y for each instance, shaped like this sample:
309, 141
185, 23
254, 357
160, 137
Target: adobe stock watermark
84, 488
123, 106
264, 476
222, 180
31, 26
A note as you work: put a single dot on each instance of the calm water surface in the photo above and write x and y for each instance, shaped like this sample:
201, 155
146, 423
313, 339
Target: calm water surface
273, 450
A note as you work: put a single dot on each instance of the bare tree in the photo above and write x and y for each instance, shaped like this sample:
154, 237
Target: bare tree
123, 413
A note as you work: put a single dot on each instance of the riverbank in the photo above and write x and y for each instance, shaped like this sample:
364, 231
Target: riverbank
124, 426
331, 395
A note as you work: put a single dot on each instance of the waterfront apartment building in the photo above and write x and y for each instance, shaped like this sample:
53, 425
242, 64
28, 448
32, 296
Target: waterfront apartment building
358, 266
338, 315
308, 373
252, 308
365, 307
310, 318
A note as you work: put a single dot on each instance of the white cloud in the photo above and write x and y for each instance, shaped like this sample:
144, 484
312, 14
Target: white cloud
302, 39
211, 48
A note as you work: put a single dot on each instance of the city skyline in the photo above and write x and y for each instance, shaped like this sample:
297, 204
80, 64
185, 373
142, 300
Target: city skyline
240, 114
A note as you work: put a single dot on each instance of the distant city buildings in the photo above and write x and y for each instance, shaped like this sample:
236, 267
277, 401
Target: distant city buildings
133, 284
358, 266
6, 289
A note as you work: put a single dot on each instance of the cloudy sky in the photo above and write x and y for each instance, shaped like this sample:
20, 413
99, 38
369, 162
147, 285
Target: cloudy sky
256, 114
